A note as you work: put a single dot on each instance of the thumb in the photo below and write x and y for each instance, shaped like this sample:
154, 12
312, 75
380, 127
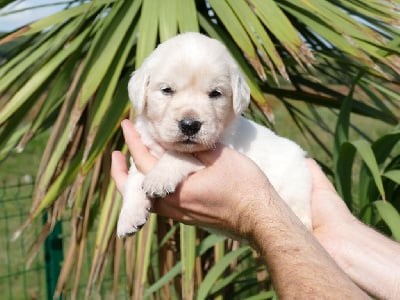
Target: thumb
141, 156
119, 170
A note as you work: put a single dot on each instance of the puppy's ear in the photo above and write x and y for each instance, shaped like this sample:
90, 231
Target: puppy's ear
240, 92
137, 88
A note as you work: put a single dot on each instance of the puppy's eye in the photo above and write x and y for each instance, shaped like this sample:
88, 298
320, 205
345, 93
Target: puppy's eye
214, 94
167, 91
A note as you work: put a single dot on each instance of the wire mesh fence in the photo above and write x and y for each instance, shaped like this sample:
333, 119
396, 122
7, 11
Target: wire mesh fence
24, 275
17, 280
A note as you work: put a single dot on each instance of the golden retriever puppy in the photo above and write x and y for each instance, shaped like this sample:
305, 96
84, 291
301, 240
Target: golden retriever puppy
189, 94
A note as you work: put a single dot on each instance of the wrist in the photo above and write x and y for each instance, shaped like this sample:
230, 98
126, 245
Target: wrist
258, 213
272, 224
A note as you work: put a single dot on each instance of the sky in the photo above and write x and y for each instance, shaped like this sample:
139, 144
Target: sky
10, 22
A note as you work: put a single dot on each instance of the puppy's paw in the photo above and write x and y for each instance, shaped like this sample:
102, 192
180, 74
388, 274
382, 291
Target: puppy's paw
156, 185
131, 219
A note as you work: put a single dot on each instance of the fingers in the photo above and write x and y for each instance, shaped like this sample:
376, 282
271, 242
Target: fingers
162, 208
144, 161
119, 170
169, 207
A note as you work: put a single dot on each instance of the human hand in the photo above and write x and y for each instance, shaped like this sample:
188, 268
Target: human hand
216, 196
330, 216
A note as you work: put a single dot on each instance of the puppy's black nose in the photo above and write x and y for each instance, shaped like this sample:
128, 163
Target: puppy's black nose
189, 127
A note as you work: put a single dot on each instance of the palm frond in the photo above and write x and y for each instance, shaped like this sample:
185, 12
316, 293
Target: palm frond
69, 72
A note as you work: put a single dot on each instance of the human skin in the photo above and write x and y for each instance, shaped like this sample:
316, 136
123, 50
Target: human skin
300, 266
369, 258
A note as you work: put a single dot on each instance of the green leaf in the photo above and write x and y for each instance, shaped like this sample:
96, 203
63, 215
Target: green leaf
110, 111
263, 295
217, 270
259, 36
343, 122
148, 27
47, 72
381, 148
107, 219
241, 272
188, 257
393, 175
144, 249
173, 272
277, 22
187, 16
105, 46
368, 157
384, 145
343, 172
33, 84
9, 138
33, 55
62, 16
60, 184
238, 33
343, 155
391, 217
213, 32
110, 105
331, 16
205, 245
168, 19
48, 172
210, 241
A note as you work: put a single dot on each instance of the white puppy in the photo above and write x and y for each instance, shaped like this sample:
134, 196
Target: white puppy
189, 95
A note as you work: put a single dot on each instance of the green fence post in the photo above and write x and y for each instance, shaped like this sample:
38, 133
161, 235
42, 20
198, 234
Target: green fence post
53, 256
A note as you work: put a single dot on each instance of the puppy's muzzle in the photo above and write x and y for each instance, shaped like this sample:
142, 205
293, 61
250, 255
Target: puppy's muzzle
189, 127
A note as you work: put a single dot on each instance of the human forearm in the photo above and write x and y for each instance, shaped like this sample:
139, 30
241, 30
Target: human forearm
299, 266
370, 259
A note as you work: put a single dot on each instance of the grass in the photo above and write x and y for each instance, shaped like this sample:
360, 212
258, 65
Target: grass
22, 167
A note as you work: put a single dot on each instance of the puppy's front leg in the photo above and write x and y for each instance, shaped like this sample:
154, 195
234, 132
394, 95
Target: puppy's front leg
135, 206
170, 170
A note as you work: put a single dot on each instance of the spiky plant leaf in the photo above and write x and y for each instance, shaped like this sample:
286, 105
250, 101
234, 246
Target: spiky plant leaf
68, 72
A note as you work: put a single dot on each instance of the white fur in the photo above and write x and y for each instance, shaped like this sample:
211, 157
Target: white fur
192, 77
